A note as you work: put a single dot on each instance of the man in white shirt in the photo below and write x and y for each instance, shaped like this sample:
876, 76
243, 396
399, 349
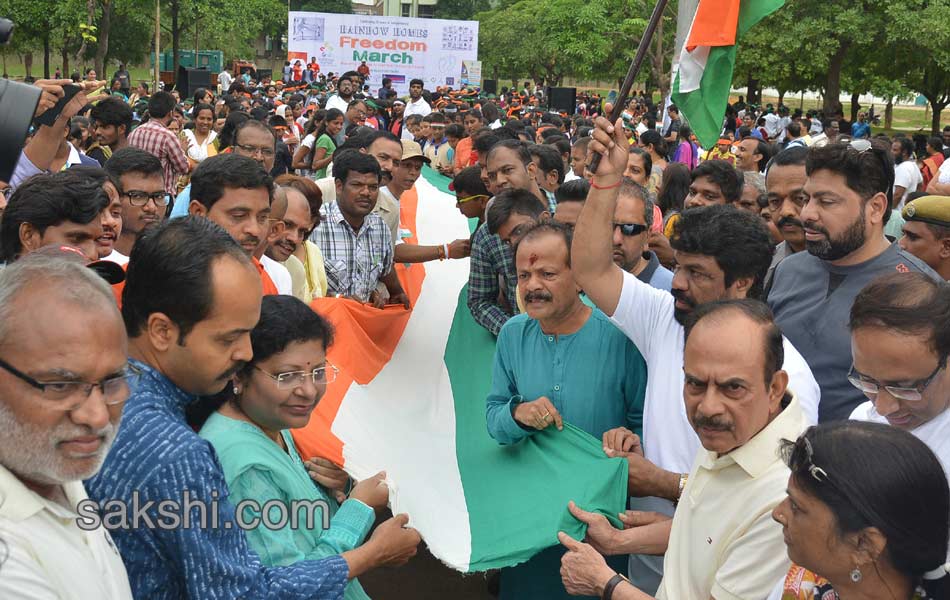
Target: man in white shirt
773, 123
723, 253
341, 100
907, 177
275, 268
736, 480
59, 323
224, 81
417, 105
900, 341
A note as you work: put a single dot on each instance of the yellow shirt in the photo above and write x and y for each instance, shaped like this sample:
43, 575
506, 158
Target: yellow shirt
309, 277
724, 543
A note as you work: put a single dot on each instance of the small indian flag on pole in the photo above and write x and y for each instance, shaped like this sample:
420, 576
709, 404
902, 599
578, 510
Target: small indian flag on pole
701, 86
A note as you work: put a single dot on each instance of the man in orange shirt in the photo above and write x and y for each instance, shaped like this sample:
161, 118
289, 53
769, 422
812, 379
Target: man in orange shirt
236, 193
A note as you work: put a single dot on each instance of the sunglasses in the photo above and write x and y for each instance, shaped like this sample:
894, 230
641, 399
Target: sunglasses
630, 229
470, 198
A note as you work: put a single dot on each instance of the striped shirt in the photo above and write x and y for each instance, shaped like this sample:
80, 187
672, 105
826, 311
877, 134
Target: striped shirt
491, 263
156, 139
355, 261
157, 456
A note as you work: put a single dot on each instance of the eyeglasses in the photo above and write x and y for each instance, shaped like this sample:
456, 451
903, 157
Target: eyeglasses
255, 150
470, 198
139, 198
630, 229
70, 395
6, 192
911, 393
294, 379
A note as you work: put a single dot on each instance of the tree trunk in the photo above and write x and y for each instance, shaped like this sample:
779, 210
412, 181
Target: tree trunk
781, 98
28, 63
105, 24
935, 117
176, 41
46, 54
90, 20
65, 57
888, 113
659, 73
833, 79
753, 95
855, 106
175, 7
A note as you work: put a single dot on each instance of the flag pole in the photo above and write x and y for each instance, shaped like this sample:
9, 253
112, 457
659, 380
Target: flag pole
634, 69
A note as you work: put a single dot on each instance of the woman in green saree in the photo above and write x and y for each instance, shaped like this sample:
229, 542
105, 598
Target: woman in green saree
275, 392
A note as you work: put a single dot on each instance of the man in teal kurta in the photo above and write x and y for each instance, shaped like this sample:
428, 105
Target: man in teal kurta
560, 360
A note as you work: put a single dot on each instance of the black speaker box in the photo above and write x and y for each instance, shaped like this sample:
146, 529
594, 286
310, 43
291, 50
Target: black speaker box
489, 86
189, 80
562, 99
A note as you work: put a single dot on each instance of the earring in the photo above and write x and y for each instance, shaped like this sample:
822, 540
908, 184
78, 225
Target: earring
856, 575
236, 390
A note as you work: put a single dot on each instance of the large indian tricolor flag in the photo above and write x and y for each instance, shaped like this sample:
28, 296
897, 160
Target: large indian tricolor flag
702, 83
410, 400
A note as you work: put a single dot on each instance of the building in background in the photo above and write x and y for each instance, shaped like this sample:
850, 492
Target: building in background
424, 9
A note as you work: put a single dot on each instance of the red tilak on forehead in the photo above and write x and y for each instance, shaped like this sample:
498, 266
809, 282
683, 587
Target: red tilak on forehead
532, 259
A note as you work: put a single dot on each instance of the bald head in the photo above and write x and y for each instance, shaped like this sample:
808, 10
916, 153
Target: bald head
59, 280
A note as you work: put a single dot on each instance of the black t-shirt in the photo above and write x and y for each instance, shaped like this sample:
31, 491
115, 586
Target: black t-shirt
98, 154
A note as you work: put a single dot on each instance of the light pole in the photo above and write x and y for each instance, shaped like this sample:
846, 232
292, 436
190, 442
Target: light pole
158, 40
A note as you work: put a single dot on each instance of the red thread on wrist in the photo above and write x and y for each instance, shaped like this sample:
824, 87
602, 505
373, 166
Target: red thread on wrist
604, 187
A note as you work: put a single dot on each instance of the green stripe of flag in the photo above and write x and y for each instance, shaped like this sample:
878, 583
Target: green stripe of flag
705, 107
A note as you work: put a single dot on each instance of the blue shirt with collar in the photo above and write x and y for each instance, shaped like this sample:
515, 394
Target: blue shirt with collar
157, 456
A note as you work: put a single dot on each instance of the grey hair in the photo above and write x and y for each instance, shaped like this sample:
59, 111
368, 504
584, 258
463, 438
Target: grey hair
70, 278
629, 187
757, 181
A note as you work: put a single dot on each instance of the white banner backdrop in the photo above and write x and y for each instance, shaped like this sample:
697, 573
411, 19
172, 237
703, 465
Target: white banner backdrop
399, 48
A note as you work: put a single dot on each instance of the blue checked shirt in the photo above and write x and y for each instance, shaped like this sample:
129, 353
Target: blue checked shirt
491, 263
157, 457
355, 261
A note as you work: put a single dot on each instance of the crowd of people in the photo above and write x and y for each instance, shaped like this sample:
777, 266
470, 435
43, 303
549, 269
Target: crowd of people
761, 330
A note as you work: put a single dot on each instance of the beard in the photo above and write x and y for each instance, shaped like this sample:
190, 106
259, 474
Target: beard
836, 248
31, 452
681, 314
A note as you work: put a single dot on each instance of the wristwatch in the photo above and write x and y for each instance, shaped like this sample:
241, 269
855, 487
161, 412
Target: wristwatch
684, 477
613, 583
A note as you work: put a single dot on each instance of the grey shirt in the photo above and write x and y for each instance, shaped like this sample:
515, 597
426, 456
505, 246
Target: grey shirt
811, 300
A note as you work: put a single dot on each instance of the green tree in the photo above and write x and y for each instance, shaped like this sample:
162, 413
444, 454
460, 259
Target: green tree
327, 6
550, 39
460, 9
917, 33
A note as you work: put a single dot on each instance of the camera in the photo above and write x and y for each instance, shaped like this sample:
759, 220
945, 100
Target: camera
17, 104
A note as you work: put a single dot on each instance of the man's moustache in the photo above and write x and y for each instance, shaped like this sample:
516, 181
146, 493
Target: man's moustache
789, 221
700, 421
532, 296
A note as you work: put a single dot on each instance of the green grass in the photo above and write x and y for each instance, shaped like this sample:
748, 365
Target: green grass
16, 70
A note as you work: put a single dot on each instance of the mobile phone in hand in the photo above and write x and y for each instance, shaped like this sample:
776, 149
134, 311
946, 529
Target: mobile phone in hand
50, 116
